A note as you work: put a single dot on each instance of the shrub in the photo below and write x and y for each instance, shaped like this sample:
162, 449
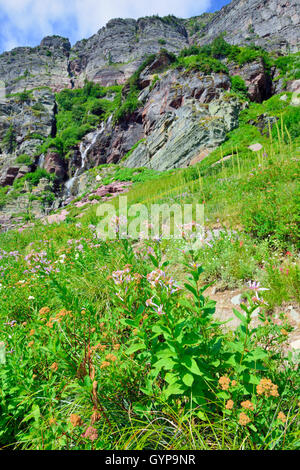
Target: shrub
238, 86
24, 159
9, 140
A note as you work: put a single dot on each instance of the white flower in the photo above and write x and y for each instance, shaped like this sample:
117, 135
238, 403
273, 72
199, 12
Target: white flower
31, 297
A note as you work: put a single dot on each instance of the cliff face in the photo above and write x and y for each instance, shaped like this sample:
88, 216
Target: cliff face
115, 52
181, 114
272, 24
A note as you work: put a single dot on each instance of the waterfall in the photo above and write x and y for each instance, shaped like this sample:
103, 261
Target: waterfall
84, 148
41, 161
93, 136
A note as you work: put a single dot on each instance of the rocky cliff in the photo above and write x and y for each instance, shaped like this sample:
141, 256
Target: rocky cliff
176, 108
272, 24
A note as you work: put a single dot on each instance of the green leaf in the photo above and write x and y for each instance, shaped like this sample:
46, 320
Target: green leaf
240, 316
165, 363
135, 347
191, 365
188, 379
174, 389
191, 289
201, 415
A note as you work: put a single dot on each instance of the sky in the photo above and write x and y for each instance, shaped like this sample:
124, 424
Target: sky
26, 22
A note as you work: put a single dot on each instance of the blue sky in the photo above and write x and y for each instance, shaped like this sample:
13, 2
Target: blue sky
26, 22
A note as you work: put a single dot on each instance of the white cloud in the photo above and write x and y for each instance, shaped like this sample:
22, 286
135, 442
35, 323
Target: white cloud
26, 22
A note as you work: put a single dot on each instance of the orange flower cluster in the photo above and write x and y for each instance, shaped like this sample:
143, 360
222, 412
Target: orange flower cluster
96, 416
267, 388
104, 364
111, 357
62, 314
229, 405
75, 420
244, 419
58, 317
281, 416
248, 405
99, 347
224, 382
43, 311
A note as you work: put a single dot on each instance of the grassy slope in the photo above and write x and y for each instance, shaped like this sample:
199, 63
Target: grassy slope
48, 376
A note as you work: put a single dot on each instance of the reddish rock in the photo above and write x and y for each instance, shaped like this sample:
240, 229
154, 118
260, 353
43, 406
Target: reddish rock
257, 80
54, 164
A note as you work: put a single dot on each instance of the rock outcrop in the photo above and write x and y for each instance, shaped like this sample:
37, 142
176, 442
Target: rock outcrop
184, 115
272, 24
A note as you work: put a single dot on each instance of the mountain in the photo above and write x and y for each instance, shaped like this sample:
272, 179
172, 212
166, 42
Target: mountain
155, 92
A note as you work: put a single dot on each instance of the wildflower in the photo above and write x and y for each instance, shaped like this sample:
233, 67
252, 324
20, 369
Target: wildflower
75, 420
149, 302
117, 347
30, 344
91, 434
52, 421
31, 297
160, 310
44, 310
253, 285
224, 382
54, 366
233, 383
104, 364
284, 332
111, 357
281, 416
248, 405
229, 405
267, 388
244, 419
96, 416
31, 333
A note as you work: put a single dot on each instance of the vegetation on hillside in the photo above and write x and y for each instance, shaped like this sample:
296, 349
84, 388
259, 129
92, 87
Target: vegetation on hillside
114, 344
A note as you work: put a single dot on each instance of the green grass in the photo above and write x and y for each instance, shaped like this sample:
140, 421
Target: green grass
84, 350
